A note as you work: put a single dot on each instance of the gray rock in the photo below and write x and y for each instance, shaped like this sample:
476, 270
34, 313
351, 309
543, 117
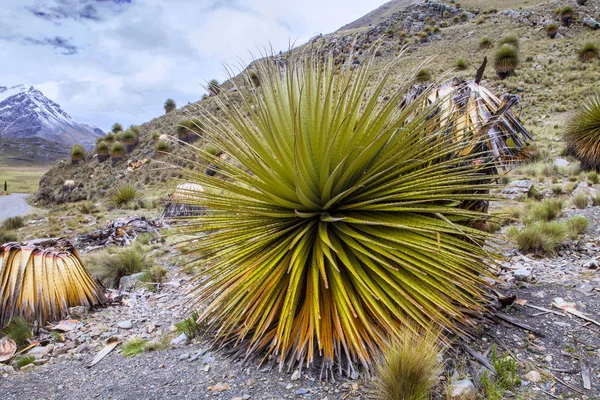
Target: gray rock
522, 274
516, 189
129, 282
78, 312
302, 391
6, 369
463, 390
184, 356
591, 22
591, 264
561, 163
181, 339
296, 375
125, 324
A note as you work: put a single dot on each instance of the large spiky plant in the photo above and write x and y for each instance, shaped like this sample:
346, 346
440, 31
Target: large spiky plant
506, 60
77, 153
337, 220
39, 281
582, 133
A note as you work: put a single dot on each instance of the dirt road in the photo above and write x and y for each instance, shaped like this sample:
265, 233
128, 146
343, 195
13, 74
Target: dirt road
13, 205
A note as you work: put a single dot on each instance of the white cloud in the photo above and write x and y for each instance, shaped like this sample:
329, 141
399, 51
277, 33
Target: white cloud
129, 56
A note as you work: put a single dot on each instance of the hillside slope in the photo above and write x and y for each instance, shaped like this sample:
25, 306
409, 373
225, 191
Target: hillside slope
543, 79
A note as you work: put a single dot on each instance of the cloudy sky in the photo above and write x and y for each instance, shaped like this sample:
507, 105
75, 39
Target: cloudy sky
118, 60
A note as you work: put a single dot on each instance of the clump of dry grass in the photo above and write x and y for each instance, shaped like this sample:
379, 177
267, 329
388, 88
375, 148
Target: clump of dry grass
409, 367
546, 210
580, 200
539, 237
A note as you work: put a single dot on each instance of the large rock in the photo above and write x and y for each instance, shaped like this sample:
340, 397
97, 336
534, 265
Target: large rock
129, 282
463, 390
591, 22
516, 189
561, 163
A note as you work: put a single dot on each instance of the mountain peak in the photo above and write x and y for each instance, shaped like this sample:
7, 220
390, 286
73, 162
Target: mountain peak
25, 112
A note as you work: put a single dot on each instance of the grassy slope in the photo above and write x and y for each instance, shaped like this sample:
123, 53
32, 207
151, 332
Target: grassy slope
21, 179
549, 80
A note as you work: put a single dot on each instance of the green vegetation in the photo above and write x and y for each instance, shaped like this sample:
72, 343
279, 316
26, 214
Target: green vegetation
580, 200
582, 133
566, 15
22, 361
118, 150
593, 177
110, 268
342, 229
170, 105
133, 346
551, 30
577, 225
129, 137
18, 330
191, 326
539, 237
506, 61
409, 367
109, 138
124, 194
545, 211
423, 75
189, 129
163, 147
510, 40
155, 135
461, 64
22, 179
77, 153
13, 223
485, 43
6, 237
506, 377
102, 148
589, 52
116, 128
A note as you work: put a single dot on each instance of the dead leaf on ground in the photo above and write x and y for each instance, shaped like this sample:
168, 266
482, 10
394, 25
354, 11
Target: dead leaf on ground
219, 387
66, 325
8, 348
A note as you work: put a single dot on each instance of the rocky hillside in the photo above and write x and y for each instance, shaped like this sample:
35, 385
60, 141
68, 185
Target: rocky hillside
436, 35
26, 113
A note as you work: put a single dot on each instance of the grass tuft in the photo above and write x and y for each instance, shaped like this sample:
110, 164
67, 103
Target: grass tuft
485, 43
582, 133
13, 223
190, 326
577, 225
589, 52
124, 195
408, 368
506, 60
110, 268
22, 361
545, 211
539, 237
133, 346
580, 200
18, 330
423, 75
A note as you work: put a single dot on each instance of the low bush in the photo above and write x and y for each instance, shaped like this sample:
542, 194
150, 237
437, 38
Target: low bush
545, 211
511, 40
577, 225
580, 200
593, 177
13, 223
6, 237
423, 75
110, 268
485, 43
588, 52
505, 378
539, 237
190, 326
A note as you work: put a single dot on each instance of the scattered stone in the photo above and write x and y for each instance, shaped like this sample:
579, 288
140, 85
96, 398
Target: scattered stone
463, 390
129, 282
591, 22
296, 375
40, 351
27, 368
522, 274
219, 387
591, 264
584, 288
533, 376
289, 386
78, 312
6, 369
181, 339
302, 391
125, 324
184, 356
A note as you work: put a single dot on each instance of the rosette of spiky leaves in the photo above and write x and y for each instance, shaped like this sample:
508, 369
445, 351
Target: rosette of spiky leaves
551, 30
506, 61
77, 152
588, 52
582, 133
337, 219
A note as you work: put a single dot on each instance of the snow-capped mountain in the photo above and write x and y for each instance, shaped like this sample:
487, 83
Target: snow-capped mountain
25, 112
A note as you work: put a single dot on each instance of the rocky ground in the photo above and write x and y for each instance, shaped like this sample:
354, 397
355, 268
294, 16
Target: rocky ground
556, 349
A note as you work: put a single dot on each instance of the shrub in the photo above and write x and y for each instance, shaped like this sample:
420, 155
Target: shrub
18, 330
343, 219
6, 237
510, 40
547, 210
593, 177
13, 223
539, 237
124, 194
109, 138
102, 148
423, 75
87, 207
551, 30
110, 268
505, 378
189, 129
162, 147
588, 52
77, 153
170, 105
154, 135
506, 61
213, 87
582, 133
566, 15
129, 138
461, 64
577, 225
116, 128
485, 43
409, 367
118, 150
580, 200
557, 189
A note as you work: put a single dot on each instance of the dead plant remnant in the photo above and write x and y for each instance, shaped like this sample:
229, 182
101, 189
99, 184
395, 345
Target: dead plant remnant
40, 280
